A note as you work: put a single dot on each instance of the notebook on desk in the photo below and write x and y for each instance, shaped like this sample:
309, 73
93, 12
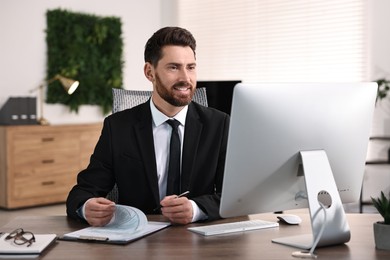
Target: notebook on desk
8, 248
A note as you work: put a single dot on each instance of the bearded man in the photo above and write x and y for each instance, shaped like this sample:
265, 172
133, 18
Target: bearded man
134, 147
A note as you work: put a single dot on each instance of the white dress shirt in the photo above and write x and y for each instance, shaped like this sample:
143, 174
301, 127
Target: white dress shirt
162, 135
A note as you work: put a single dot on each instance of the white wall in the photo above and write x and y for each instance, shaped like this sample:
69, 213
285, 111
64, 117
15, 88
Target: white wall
23, 47
380, 60
377, 177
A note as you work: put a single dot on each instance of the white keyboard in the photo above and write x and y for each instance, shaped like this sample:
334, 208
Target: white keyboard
233, 227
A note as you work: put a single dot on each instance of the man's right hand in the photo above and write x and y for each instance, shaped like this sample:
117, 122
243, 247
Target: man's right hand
99, 211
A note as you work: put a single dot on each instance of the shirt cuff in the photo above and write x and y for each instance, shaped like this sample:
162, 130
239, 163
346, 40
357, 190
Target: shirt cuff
80, 211
198, 214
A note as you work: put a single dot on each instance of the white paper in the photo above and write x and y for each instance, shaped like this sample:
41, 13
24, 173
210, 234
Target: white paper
128, 224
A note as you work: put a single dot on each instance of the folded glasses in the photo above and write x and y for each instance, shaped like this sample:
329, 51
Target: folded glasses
21, 237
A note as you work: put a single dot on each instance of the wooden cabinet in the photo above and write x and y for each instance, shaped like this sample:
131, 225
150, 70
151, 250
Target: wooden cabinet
39, 164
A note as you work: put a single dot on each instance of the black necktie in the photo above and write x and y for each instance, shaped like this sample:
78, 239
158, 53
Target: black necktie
173, 183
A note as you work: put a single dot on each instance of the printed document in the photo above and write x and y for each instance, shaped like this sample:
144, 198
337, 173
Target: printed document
128, 224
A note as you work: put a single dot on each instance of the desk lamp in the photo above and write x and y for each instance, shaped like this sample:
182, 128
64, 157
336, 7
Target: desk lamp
69, 85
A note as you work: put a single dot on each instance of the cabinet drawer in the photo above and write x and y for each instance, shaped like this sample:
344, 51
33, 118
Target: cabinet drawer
45, 163
43, 187
37, 142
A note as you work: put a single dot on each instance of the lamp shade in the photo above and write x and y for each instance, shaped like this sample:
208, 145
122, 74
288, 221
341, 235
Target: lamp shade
69, 85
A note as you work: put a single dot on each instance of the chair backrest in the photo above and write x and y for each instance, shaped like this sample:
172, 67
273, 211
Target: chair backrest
124, 99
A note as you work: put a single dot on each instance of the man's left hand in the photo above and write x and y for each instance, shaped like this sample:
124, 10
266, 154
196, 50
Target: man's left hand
177, 210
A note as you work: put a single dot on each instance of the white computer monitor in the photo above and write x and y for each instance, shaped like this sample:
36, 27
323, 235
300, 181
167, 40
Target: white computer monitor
274, 126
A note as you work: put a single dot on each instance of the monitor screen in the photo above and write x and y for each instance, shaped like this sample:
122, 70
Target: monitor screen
272, 123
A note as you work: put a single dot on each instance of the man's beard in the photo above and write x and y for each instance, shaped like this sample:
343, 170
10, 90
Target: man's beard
175, 100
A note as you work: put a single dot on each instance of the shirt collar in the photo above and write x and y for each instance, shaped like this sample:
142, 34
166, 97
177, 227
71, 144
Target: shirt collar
159, 118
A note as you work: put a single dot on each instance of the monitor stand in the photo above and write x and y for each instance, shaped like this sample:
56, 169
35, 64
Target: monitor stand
321, 187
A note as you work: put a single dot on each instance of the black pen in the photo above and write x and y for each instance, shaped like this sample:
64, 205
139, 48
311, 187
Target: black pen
178, 196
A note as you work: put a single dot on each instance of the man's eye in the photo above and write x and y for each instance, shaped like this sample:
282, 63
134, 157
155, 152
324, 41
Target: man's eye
173, 67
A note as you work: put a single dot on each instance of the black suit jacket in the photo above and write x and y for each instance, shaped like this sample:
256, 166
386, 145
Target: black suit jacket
125, 155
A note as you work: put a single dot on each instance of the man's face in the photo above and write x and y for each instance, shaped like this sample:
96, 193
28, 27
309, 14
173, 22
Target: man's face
175, 75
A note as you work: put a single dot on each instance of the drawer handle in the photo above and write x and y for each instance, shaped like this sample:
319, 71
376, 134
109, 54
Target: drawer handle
47, 161
48, 139
46, 183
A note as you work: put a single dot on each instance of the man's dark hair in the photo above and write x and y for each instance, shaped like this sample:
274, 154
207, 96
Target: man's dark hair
164, 37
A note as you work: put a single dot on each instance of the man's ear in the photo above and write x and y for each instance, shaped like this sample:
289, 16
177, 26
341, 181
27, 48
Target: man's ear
148, 71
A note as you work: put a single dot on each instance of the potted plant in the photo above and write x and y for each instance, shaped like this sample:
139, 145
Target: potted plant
382, 228
383, 88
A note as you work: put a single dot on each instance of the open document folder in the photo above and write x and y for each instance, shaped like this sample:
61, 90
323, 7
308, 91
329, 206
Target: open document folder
127, 225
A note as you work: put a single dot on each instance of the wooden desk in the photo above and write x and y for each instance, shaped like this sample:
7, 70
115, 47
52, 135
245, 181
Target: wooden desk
178, 243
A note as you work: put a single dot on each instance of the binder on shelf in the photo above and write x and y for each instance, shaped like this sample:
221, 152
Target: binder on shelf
32, 110
19, 111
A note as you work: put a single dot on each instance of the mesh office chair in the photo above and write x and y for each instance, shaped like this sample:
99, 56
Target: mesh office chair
124, 99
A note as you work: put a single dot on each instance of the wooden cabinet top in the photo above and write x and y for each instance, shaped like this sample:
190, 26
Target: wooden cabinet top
40, 127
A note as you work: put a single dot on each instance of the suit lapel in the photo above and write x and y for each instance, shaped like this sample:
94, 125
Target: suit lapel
193, 130
144, 132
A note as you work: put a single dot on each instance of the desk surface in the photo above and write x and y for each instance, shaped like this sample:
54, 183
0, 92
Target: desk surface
177, 242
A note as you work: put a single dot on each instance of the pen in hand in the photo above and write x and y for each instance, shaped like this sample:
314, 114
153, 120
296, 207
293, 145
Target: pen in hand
178, 196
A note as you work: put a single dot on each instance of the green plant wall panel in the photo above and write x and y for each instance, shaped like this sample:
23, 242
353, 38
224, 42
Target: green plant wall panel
87, 48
